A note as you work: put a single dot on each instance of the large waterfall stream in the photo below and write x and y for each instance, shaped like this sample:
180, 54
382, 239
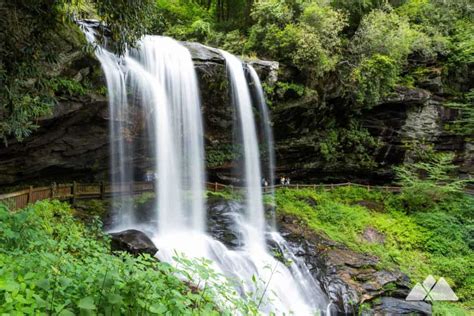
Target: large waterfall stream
159, 78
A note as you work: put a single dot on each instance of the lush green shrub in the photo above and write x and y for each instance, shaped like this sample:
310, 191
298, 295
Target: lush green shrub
383, 33
52, 264
374, 79
309, 40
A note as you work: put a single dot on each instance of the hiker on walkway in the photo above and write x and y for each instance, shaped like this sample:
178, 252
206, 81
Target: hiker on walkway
287, 181
282, 180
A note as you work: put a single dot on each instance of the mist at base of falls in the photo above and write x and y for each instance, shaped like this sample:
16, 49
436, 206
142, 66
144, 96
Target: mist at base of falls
159, 79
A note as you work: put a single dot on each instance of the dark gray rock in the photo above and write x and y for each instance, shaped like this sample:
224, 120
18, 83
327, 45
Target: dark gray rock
200, 52
408, 96
396, 306
133, 241
221, 222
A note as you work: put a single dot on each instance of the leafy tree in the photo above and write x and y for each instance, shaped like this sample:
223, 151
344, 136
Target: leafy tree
307, 38
428, 182
385, 33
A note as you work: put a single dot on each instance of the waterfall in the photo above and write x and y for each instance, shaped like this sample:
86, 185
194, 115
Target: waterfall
294, 289
178, 134
121, 170
159, 79
257, 90
254, 234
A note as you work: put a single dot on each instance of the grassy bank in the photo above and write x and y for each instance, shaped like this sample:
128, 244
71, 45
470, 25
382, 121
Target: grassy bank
437, 242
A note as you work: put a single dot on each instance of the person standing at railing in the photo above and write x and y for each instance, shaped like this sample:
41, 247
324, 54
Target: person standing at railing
282, 180
287, 181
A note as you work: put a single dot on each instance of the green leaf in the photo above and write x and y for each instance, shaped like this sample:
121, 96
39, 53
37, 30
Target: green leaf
44, 284
11, 286
158, 308
86, 303
40, 302
66, 312
114, 299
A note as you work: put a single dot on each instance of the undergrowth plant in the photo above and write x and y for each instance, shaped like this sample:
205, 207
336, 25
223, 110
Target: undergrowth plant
50, 263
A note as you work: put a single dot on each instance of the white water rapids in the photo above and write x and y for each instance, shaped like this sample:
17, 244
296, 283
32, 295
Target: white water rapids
159, 77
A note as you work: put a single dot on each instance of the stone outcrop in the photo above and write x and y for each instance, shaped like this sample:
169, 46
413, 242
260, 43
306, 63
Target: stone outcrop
349, 278
133, 241
406, 116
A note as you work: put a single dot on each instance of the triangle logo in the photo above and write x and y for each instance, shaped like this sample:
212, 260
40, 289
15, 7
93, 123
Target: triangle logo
442, 291
418, 293
432, 290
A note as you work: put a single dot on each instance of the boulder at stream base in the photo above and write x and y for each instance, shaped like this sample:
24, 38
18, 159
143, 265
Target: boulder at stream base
134, 242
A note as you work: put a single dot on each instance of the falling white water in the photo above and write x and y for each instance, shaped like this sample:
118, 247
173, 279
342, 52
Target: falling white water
159, 77
254, 235
286, 291
178, 135
268, 135
120, 149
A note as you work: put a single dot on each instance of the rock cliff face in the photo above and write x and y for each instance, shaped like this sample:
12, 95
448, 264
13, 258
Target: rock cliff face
73, 142
407, 116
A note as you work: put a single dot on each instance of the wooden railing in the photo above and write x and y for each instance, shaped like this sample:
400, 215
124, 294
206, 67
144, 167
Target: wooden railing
74, 191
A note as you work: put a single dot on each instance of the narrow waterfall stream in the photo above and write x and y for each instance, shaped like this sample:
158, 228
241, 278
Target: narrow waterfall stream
159, 77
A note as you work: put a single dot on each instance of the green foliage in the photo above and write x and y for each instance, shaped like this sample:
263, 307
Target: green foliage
428, 182
289, 88
46, 261
349, 146
184, 20
383, 33
310, 41
438, 242
126, 22
218, 156
464, 125
66, 86
374, 79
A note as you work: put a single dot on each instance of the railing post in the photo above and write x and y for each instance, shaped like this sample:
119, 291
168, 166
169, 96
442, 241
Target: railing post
74, 192
332, 186
297, 187
232, 189
102, 190
368, 187
30, 195
215, 186
53, 190
314, 187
